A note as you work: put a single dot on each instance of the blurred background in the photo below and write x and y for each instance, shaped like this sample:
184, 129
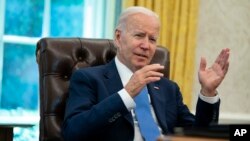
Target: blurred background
190, 29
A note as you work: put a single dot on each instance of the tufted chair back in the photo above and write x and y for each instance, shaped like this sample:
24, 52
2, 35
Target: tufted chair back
57, 58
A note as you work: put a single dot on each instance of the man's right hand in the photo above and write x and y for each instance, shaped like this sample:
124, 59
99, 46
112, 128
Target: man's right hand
143, 76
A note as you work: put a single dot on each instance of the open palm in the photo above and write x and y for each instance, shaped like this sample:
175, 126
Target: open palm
210, 78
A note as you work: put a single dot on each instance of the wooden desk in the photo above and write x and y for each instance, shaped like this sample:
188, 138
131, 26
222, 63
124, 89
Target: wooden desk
190, 138
6, 130
210, 133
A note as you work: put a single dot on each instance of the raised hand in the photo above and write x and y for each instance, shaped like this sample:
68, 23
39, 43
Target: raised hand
143, 76
210, 78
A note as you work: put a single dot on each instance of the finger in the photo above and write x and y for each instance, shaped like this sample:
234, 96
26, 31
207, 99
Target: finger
152, 79
203, 64
227, 49
218, 59
146, 72
226, 55
153, 74
225, 69
152, 67
224, 61
223, 57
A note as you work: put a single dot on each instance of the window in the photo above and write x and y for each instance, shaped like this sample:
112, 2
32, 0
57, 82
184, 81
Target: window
22, 24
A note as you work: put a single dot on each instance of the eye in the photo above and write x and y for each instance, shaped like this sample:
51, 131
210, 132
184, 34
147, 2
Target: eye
138, 35
153, 40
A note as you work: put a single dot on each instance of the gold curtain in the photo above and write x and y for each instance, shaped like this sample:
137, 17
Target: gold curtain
178, 34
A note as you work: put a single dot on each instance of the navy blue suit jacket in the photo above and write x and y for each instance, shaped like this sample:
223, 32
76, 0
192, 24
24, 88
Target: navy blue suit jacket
94, 110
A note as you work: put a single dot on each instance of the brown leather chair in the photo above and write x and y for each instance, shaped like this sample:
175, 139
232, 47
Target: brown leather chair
57, 58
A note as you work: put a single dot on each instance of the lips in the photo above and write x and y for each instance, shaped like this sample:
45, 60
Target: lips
141, 55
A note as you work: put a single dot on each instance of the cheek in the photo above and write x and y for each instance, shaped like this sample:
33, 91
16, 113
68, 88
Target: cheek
126, 52
152, 52
128, 49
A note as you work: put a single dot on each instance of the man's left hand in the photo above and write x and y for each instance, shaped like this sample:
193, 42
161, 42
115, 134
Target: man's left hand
210, 78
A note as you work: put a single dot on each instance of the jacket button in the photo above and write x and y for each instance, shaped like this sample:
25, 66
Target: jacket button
117, 115
110, 120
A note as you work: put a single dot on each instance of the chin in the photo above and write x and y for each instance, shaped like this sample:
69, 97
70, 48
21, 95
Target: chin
140, 65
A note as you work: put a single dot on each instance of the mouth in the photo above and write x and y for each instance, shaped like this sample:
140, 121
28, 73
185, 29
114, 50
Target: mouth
141, 55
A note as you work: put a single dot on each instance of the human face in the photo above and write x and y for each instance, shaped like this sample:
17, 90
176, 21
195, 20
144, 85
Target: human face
137, 42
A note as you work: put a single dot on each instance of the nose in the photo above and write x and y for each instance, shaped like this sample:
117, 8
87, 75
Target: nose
145, 44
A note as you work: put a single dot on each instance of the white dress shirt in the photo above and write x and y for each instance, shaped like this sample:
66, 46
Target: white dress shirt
125, 74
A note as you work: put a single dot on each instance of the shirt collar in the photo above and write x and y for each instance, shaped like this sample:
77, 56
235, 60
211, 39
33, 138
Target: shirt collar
124, 72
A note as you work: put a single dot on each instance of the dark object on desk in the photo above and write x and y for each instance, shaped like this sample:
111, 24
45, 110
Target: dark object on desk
57, 58
212, 131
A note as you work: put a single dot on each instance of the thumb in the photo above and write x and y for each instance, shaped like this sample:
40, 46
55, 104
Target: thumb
203, 64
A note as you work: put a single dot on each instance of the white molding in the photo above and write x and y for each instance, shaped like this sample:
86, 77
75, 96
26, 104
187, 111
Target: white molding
46, 18
110, 19
2, 14
234, 118
20, 39
88, 29
19, 120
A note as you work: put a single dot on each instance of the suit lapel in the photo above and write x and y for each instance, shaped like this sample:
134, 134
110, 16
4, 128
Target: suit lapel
112, 79
113, 83
155, 96
158, 101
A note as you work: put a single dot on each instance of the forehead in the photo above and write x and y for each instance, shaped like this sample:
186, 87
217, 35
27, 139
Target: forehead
143, 22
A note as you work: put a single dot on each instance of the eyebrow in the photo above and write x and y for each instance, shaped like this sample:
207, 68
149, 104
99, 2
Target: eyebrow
143, 32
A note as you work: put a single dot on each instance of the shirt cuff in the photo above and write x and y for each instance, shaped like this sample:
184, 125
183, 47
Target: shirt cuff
210, 100
127, 99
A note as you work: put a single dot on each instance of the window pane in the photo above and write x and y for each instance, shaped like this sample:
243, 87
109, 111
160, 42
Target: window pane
66, 18
20, 78
24, 17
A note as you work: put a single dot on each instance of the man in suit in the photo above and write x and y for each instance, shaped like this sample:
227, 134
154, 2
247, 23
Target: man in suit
101, 104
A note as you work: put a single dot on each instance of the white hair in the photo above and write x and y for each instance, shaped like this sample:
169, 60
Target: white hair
121, 24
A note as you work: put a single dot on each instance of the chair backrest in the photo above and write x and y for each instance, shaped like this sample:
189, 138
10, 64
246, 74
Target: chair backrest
57, 58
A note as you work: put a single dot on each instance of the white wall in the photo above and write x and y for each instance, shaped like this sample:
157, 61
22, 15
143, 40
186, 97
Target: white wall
226, 23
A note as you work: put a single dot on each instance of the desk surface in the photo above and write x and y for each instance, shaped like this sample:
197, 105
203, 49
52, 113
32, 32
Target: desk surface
190, 138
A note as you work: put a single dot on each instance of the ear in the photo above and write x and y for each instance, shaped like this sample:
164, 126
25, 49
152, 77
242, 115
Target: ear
117, 37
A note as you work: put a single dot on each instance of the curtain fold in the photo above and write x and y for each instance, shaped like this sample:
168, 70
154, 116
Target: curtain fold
178, 34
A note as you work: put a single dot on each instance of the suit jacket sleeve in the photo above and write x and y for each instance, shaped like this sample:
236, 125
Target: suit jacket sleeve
205, 115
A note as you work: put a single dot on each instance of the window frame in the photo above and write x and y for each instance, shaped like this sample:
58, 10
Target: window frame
16, 39
99, 29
